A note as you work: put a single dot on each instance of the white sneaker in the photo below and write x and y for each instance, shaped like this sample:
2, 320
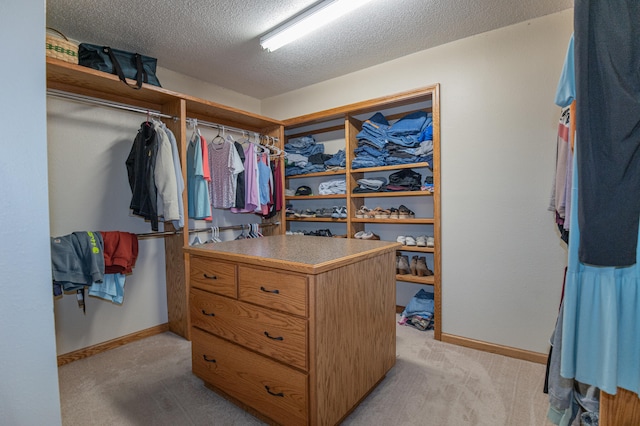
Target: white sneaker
410, 240
421, 241
430, 241
401, 239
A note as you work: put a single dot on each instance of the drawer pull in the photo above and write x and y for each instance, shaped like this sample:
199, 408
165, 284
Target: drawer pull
266, 333
210, 277
208, 359
274, 394
269, 291
209, 314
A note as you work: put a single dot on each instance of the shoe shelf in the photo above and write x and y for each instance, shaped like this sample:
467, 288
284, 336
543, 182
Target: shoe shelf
430, 280
417, 249
426, 221
316, 219
392, 194
316, 197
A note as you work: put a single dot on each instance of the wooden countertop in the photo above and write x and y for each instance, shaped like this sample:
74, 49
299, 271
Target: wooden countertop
299, 253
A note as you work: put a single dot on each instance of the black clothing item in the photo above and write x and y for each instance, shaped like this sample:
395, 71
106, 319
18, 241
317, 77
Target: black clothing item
141, 165
607, 64
406, 177
319, 158
240, 195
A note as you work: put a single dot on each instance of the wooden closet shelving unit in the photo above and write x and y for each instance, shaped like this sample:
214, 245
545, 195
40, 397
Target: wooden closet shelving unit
348, 120
78, 80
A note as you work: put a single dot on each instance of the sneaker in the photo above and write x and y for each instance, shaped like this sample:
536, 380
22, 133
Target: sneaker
393, 213
410, 240
430, 241
343, 212
405, 213
359, 234
369, 236
324, 212
308, 213
421, 241
401, 239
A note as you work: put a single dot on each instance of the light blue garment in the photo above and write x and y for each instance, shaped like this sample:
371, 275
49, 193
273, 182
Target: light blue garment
339, 159
111, 288
601, 319
198, 193
421, 304
566, 91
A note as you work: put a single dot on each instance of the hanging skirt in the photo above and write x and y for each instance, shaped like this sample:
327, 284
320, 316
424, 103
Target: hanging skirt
601, 324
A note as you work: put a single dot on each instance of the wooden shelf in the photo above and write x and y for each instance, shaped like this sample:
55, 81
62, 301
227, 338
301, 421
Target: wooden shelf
430, 280
417, 249
395, 221
315, 219
316, 197
390, 168
319, 174
392, 194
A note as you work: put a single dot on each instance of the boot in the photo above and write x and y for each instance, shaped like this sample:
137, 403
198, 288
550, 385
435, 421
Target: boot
422, 268
403, 265
413, 266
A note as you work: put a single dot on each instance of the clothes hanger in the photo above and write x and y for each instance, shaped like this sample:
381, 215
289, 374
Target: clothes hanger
196, 241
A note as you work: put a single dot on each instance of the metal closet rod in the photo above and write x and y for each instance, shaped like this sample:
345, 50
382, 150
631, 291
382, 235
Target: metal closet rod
191, 231
155, 113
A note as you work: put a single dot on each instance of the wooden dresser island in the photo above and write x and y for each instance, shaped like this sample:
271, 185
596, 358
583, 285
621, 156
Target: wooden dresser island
295, 329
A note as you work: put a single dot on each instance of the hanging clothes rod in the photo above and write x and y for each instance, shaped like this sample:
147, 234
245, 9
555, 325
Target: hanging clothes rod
192, 231
104, 103
155, 113
197, 122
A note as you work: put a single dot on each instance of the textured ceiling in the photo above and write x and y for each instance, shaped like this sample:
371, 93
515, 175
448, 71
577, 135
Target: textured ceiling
218, 40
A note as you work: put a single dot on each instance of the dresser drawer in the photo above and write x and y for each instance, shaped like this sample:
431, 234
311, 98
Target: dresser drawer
267, 386
278, 335
277, 290
213, 275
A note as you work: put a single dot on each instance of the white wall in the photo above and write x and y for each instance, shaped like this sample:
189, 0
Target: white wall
180, 83
502, 259
29, 385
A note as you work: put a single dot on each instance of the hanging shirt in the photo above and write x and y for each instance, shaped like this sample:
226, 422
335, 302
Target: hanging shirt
199, 205
252, 196
224, 165
179, 223
165, 177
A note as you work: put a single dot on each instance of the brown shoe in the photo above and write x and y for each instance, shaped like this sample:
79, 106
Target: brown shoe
422, 268
403, 265
413, 266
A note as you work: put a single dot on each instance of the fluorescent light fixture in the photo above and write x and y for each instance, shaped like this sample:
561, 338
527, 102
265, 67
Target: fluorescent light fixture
311, 19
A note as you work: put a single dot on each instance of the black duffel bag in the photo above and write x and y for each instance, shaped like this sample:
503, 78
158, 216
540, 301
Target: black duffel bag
124, 64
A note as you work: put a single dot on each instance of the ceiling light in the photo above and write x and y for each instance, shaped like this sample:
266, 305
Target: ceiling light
311, 19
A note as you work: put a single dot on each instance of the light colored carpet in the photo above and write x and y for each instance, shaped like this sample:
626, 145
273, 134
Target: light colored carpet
149, 382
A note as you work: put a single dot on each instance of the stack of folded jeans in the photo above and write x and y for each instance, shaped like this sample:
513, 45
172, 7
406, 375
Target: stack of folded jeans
337, 160
407, 141
298, 148
337, 186
372, 184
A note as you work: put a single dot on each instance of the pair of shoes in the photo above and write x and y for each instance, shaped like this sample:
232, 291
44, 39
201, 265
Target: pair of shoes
393, 213
430, 241
424, 241
380, 213
419, 266
324, 212
410, 241
307, 213
363, 212
405, 213
366, 235
402, 265
339, 212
